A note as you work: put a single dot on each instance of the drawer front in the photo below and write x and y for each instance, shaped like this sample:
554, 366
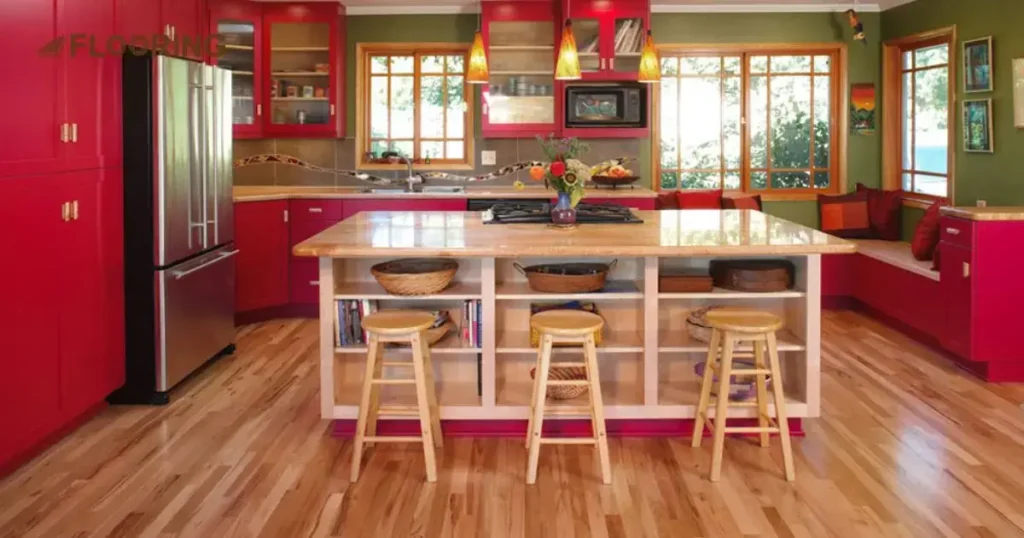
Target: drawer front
302, 210
956, 231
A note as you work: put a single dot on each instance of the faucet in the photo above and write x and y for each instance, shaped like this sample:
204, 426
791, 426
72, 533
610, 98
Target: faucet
411, 179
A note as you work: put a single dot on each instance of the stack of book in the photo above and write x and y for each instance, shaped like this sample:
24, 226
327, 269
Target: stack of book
348, 321
629, 35
472, 327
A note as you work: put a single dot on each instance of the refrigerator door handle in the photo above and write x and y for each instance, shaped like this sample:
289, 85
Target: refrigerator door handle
195, 161
178, 275
211, 177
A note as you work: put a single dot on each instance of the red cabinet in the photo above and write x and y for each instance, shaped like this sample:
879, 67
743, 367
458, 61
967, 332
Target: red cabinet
139, 18
358, 205
182, 18
609, 36
261, 236
239, 25
302, 67
63, 315
955, 282
90, 81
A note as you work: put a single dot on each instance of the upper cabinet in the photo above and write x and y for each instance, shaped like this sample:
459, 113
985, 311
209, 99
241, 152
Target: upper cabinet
183, 22
609, 36
522, 98
303, 65
238, 26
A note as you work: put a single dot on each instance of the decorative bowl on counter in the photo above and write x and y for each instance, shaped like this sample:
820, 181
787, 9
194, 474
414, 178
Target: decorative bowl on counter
566, 277
415, 276
614, 181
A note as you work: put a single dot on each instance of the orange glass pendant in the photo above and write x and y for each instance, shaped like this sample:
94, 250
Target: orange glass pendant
650, 67
568, 67
477, 72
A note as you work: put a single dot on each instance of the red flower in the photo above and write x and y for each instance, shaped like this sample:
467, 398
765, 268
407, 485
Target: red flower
557, 168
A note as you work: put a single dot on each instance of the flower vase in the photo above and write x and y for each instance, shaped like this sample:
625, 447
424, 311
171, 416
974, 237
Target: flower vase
563, 214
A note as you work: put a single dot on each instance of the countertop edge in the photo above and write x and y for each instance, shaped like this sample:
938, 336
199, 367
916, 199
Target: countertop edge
312, 251
298, 194
993, 214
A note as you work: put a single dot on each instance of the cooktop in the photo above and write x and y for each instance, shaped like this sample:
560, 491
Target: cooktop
540, 213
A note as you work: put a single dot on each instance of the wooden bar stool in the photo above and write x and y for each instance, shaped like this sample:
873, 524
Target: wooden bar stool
566, 327
731, 326
398, 326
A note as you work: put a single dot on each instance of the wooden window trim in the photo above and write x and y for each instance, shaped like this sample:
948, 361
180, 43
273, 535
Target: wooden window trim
839, 116
363, 79
892, 112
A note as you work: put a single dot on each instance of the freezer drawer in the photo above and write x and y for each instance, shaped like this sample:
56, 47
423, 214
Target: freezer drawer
195, 314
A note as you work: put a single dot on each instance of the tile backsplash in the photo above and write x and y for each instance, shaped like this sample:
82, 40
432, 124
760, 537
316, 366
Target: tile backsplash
340, 154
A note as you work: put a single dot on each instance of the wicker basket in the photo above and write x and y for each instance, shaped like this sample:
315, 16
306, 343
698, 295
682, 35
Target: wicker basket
567, 373
415, 276
434, 335
697, 324
566, 277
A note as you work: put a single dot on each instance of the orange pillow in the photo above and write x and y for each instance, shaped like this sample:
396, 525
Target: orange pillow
845, 215
926, 235
700, 199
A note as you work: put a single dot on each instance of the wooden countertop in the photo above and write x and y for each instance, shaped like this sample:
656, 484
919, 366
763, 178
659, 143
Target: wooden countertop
984, 213
257, 194
663, 233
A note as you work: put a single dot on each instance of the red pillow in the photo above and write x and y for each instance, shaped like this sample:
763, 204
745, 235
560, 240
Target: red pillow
667, 200
743, 202
926, 236
885, 211
700, 199
845, 215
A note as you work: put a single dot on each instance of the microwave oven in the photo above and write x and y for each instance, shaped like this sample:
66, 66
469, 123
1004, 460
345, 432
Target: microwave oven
619, 105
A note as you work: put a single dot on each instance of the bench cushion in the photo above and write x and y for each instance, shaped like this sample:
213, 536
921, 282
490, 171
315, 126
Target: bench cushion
896, 253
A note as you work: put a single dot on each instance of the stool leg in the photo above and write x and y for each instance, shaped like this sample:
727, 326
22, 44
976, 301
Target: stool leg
423, 403
533, 395
780, 408
364, 405
373, 409
705, 390
721, 407
435, 409
540, 396
762, 392
597, 409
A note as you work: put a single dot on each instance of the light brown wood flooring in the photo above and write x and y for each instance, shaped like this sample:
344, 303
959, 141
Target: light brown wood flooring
907, 446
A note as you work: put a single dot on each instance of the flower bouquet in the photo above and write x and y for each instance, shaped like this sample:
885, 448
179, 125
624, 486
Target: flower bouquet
565, 173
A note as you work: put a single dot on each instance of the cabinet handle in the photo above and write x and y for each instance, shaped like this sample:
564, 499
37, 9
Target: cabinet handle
259, 110
174, 32
74, 132
611, 64
485, 109
967, 270
316, 210
286, 215
167, 30
74, 210
314, 282
332, 110
65, 211
602, 64
64, 133
952, 231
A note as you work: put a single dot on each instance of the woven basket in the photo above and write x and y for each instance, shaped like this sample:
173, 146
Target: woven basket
566, 373
415, 276
697, 324
435, 335
566, 277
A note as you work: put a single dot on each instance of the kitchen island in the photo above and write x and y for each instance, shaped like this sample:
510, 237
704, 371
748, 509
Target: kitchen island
646, 356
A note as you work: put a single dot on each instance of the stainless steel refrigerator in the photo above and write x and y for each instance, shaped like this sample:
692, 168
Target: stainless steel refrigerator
179, 222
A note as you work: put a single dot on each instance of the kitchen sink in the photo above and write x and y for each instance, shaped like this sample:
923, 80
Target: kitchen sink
442, 189
426, 189
385, 191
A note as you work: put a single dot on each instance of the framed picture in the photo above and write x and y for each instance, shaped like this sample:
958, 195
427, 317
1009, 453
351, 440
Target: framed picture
862, 109
978, 65
1018, 93
978, 126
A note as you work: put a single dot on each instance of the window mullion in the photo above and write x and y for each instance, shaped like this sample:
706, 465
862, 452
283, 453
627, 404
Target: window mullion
415, 105
745, 183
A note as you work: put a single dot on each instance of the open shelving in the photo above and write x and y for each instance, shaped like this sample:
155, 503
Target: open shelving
646, 355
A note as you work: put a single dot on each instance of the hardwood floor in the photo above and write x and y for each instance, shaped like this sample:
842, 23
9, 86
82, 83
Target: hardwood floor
907, 446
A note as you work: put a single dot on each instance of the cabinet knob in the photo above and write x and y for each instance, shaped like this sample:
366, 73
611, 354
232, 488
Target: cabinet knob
952, 231
967, 270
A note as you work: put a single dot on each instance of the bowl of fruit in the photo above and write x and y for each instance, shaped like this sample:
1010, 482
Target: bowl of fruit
613, 175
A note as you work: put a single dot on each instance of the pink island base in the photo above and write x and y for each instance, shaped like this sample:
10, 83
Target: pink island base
682, 427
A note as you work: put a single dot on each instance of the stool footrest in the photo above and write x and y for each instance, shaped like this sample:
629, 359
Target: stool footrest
744, 371
394, 381
400, 410
733, 403
568, 441
566, 410
397, 364
568, 365
569, 382
392, 439
749, 429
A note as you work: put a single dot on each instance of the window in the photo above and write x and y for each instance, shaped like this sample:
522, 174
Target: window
414, 99
750, 120
925, 122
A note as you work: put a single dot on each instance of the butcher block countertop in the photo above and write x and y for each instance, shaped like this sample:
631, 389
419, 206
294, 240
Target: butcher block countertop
984, 213
256, 194
663, 233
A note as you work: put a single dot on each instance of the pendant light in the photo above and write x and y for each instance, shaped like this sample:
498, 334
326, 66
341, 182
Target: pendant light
477, 72
650, 66
568, 66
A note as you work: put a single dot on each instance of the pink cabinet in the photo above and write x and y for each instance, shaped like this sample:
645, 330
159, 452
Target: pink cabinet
955, 268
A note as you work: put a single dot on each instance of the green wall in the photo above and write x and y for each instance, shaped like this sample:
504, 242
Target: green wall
864, 152
996, 178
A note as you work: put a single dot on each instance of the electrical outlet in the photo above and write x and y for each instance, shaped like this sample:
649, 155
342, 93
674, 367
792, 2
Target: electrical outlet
982, 203
489, 158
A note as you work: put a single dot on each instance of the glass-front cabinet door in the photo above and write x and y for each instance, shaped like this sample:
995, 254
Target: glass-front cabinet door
628, 35
238, 28
302, 71
587, 31
521, 97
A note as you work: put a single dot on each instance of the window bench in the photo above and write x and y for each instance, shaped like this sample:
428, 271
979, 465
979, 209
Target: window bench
897, 254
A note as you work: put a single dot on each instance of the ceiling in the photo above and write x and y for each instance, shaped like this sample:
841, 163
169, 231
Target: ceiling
395, 7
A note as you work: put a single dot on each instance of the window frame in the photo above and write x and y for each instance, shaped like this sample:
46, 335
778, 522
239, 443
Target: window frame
892, 112
839, 118
363, 79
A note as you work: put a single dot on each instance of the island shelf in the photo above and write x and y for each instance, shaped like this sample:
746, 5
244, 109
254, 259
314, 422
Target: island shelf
646, 356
